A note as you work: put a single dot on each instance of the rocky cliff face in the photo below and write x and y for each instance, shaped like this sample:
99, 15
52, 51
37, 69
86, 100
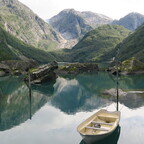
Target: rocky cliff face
95, 19
73, 25
70, 24
20, 21
131, 21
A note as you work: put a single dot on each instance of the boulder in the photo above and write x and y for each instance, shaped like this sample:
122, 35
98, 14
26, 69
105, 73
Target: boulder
4, 69
43, 73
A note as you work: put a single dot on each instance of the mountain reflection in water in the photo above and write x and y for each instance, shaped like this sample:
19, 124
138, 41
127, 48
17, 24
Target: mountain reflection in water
72, 96
15, 104
84, 92
57, 108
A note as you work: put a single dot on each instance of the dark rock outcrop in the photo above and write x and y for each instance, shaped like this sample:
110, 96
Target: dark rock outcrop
44, 73
4, 67
129, 66
16, 66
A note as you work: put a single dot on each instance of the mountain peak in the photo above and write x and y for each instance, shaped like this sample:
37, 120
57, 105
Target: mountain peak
68, 10
73, 25
133, 13
131, 21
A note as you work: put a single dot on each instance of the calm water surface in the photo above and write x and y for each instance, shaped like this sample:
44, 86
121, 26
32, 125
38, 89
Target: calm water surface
55, 109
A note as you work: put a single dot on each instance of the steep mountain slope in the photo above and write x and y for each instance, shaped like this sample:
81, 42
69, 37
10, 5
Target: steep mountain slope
12, 48
132, 46
131, 21
95, 44
73, 25
98, 42
21, 22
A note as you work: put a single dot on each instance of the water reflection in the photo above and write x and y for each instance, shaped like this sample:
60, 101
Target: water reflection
58, 108
71, 96
47, 88
111, 139
16, 106
132, 82
133, 101
9, 84
84, 92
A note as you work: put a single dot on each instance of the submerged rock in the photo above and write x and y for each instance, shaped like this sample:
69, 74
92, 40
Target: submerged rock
113, 92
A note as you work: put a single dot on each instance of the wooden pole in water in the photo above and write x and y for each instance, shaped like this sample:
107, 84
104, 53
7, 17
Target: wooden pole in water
117, 89
30, 93
117, 75
1, 94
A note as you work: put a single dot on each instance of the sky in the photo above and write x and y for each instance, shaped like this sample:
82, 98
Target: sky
114, 9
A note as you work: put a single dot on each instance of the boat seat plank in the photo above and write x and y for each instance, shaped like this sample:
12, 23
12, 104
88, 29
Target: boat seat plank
94, 122
102, 129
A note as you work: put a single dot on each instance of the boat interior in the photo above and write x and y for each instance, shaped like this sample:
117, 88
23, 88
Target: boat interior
99, 124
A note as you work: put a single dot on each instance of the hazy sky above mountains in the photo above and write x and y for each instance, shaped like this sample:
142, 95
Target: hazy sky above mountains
112, 8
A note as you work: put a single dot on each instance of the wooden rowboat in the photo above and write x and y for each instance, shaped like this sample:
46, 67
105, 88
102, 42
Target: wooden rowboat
98, 126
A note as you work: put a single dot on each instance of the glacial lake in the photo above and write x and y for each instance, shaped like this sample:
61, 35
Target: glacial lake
53, 112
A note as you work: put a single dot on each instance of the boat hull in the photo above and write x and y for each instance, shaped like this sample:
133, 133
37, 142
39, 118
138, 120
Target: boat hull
107, 122
110, 139
89, 139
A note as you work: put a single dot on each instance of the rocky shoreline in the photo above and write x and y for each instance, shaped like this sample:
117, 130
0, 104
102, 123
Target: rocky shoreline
43, 73
128, 67
16, 67
47, 72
